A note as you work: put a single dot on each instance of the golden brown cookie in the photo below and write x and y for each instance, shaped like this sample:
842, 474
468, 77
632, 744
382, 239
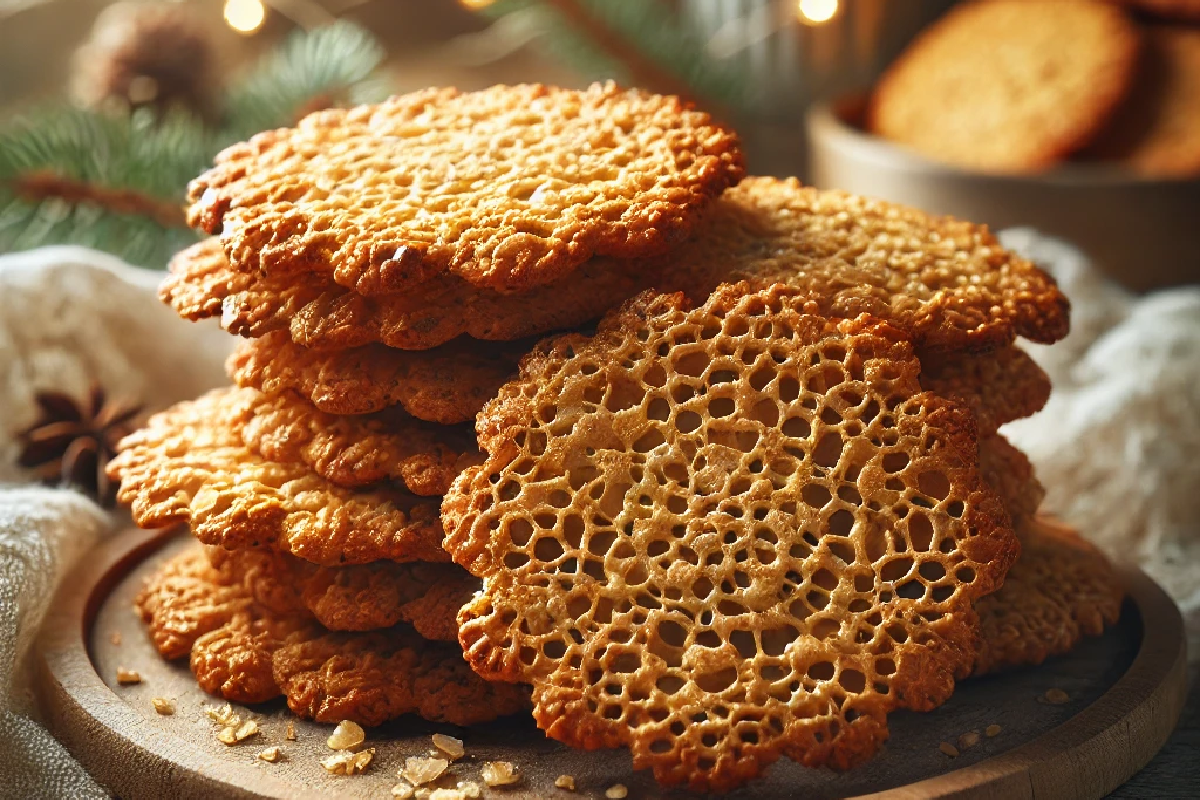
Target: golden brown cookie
373, 677
1157, 130
189, 464
1010, 475
322, 315
447, 385
1008, 85
236, 660
180, 608
947, 283
251, 654
1061, 589
724, 535
358, 450
998, 387
359, 597
187, 601
508, 188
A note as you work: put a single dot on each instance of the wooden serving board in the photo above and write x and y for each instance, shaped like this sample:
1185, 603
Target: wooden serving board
1126, 690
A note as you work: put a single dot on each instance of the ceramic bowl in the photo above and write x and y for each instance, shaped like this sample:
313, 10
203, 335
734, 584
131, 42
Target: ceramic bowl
1143, 231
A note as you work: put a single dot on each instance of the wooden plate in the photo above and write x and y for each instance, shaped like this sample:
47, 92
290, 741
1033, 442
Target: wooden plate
1126, 690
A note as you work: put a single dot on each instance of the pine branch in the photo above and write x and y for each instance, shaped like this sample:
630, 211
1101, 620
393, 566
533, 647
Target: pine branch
110, 182
642, 69
330, 66
38, 187
117, 182
638, 42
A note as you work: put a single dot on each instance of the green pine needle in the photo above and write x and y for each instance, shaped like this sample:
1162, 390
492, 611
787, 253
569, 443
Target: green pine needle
332, 64
118, 183
100, 155
650, 28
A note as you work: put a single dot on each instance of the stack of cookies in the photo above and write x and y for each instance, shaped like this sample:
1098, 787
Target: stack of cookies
759, 504
315, 482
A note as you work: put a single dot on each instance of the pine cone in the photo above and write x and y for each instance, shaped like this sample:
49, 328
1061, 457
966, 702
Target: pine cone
140, 54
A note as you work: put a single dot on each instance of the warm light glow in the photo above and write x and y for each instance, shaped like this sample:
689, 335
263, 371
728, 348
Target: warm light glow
476, 4
815, 12
245, 16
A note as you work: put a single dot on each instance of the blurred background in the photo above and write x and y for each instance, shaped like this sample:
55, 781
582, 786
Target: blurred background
107, 109
757, 62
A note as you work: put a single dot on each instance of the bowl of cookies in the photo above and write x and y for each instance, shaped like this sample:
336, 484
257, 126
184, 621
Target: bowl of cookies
1081, 119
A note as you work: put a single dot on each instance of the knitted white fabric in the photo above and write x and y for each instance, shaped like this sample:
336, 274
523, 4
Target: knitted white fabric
42, 533
68, 317
1118, 445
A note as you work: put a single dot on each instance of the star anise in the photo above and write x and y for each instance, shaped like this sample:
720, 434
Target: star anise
72, 441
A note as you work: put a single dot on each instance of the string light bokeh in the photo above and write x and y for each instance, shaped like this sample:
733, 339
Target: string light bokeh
816, 12
245, 16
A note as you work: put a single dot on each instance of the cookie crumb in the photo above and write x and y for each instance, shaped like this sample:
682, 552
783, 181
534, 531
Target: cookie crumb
230, 735
223, 716
565, 782
419, 770
290, 732
163, 706
992, 730
115, 638
499, 773
616, 791
470, 789
1055, 696
451, 794
449, 745
346, 763
271, 754
128, 677
346, 736
968, 740
403, 791
948, 749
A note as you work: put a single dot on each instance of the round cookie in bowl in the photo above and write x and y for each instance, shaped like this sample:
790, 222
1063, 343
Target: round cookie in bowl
1077, 119
1138, 229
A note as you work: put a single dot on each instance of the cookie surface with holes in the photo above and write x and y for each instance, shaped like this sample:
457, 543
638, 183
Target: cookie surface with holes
985, 89
360, 597
446, 385
357, 450
1060, 590
251, 654
723, 535
189, 464
947, 283
997, 387
322, 315
475, 185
